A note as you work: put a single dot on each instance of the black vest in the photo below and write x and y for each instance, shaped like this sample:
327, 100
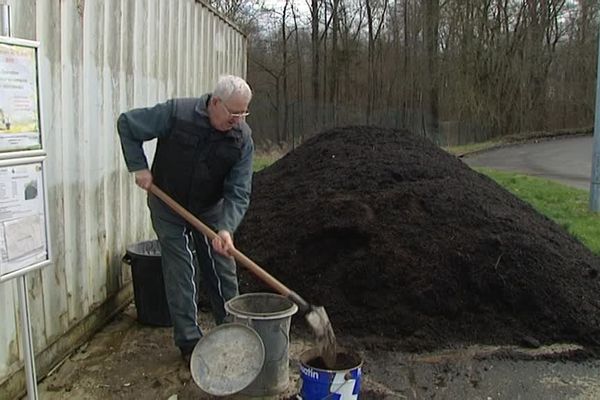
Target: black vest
192, 162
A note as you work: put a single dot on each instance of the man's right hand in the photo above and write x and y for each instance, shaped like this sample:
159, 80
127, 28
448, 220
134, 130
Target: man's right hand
143, 178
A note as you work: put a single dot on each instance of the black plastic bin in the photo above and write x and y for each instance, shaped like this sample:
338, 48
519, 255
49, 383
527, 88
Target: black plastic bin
148, 284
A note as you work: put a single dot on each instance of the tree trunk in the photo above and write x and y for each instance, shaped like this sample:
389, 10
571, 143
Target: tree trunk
315, 61
333, 75
370, 61
284, 72
432, 20
299, 84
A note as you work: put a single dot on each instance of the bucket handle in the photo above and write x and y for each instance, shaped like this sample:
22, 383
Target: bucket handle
127, 259
285, 334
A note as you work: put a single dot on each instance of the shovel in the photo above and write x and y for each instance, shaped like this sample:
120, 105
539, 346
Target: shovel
315, 316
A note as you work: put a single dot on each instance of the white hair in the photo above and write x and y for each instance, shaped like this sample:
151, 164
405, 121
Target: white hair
229, 85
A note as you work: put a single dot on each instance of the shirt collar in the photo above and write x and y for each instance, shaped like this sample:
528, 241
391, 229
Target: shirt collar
202, 104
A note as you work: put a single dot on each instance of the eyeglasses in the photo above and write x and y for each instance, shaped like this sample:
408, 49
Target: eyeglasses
232, 114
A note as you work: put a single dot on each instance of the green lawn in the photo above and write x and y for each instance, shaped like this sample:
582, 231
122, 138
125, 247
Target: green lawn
569, 207
516, 138
261, 162
471, 148
264, 160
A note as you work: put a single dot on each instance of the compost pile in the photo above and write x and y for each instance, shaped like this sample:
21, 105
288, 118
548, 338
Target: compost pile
401, 241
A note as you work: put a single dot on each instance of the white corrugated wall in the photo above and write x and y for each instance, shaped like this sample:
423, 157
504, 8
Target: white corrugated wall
97, 59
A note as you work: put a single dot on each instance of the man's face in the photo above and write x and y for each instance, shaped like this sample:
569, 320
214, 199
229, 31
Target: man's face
226, 114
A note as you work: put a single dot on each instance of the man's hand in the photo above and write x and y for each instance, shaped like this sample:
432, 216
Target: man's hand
223, 243
143, 178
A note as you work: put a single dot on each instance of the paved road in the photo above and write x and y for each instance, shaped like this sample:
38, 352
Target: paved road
567, 160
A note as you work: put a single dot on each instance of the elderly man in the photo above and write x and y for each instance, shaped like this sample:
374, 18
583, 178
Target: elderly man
203, 160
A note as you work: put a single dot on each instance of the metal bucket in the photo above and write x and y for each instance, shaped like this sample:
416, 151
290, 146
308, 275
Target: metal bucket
270, 316
227, 359
319, 383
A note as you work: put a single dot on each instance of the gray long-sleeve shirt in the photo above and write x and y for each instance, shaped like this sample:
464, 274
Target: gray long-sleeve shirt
143, 124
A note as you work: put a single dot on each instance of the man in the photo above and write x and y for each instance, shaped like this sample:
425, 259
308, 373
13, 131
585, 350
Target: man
203, 160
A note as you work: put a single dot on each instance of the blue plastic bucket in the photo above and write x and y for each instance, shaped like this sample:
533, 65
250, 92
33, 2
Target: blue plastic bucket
319, 383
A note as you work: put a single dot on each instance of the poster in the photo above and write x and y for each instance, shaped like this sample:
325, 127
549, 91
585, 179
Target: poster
19, 112
23, 240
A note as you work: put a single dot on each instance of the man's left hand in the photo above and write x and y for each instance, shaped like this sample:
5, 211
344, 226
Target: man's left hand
223, 243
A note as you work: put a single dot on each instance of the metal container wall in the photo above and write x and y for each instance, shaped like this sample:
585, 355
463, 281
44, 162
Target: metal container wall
99, 58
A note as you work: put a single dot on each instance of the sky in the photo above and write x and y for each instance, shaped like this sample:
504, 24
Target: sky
301, 5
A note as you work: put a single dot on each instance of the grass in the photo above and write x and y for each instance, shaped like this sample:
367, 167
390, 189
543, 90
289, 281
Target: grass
263, 160
471, 148
517, 138
569, 207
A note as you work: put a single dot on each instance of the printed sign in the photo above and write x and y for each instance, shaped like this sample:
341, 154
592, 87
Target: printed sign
19, 112
23, 240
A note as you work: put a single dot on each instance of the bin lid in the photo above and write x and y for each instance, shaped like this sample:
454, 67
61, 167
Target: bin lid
227, 359
149, 248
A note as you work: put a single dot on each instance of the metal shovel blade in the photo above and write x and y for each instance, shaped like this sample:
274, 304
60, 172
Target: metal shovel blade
319, 322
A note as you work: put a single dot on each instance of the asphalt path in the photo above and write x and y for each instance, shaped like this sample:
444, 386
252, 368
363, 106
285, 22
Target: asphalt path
566, 160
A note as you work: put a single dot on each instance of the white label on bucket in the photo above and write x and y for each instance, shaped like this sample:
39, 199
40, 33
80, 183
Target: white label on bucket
343, 387
309, 372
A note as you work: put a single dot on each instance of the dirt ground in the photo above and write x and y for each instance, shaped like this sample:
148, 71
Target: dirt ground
128, 360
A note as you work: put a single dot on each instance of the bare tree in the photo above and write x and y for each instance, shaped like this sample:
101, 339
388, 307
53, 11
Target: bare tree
299, 81
432, 20
245, 13
456, 70
334, 73
373, 6
284, 68
314, 14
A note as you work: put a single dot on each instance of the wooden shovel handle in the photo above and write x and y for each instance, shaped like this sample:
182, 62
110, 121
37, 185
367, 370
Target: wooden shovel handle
237, 255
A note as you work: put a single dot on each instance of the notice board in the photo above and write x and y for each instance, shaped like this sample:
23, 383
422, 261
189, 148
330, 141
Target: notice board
23, 223
19, 96
24, 242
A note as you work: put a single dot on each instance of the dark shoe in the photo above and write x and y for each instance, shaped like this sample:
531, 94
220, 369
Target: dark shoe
186, 352
187, 358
